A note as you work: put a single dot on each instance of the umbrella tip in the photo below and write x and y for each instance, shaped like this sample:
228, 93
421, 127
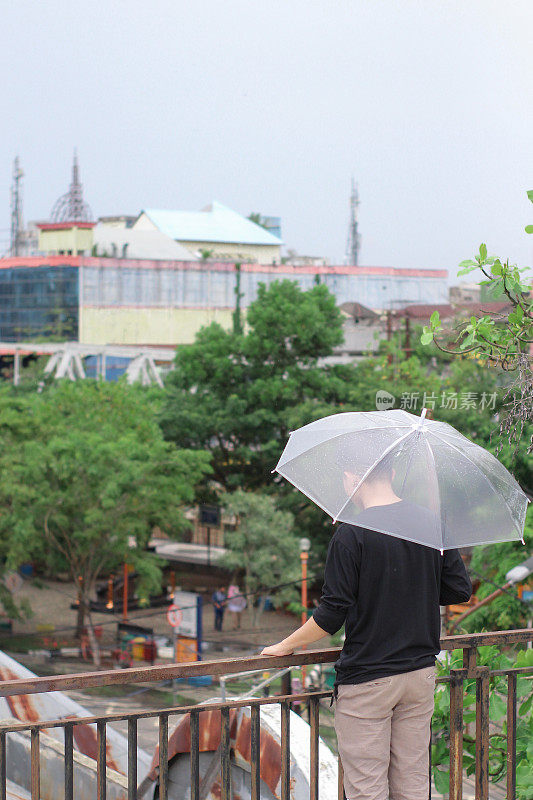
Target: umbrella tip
442, 551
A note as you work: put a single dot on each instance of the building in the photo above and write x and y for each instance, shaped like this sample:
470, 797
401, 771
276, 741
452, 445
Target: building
362, 329
124, 301
465, 293
216, 232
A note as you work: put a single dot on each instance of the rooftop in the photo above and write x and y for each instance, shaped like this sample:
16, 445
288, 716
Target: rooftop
214, 223
139, 244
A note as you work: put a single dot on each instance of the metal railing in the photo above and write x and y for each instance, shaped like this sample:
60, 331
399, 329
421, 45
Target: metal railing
276, 774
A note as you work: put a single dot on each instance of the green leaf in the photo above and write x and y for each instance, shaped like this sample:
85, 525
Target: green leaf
434, 320
465, 271
426, 338
468, 263
497, 708
442, 781
497, 267
529, 229
483, 251
530, 195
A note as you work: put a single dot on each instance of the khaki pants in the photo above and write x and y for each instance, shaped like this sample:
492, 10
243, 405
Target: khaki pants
383, 729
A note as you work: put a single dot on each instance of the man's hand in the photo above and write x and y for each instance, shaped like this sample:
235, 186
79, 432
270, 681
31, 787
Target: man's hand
279, 649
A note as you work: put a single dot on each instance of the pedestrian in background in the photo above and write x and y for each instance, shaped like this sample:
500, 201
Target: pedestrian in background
219, 601
236, 604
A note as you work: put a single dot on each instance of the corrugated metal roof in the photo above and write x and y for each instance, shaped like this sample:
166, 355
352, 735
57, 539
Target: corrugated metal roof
215, 223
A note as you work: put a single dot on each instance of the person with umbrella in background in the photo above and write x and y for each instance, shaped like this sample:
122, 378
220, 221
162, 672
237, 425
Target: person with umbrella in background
408, 492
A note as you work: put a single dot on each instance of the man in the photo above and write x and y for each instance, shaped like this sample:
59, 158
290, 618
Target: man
219, 599
387, 592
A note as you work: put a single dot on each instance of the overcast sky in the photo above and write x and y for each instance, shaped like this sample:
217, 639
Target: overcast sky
271, 106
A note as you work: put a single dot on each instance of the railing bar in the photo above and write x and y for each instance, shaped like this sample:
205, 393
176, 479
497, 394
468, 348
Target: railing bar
340, 774
482, 734
69, 761
132, 759
163, 756
511, 737
456, 735
35, 765
225, 764
275, 699
195, 755
285, 750
313, 747
255, 752
59, 723
3, 771
222, 667
101, 752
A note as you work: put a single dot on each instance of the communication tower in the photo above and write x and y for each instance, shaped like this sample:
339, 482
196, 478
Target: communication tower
353, 243
17, 226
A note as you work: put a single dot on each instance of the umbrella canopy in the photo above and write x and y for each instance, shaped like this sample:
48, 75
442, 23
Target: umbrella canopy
407, 476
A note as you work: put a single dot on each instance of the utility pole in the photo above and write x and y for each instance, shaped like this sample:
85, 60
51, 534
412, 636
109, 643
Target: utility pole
407, 350
237, 320
353, 244
389, 333
16, 210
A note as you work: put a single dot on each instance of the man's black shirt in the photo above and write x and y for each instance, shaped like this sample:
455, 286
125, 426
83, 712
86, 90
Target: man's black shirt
387, 591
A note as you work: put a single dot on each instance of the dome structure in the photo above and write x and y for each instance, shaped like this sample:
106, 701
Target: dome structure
71, 206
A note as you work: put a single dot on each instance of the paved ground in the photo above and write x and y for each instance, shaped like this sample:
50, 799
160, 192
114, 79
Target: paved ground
52, 602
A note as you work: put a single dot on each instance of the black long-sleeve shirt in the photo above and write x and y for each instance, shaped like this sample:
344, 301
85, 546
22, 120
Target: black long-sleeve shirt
387, 591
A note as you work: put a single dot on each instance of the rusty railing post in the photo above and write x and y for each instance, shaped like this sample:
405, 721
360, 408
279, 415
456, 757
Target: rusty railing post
456, 733
285, 751
69, 761
255, 750
511, 736
35, 765
482, 733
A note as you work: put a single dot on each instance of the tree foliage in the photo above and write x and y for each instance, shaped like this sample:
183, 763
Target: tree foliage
86, 474
440, 749
503, 340
264, 547
232, 394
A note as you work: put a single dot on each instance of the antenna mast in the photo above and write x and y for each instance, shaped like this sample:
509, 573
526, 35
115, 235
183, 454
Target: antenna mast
16, 210
353, 243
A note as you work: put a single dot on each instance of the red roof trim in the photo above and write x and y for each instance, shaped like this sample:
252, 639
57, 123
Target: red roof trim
63, 226
222, 266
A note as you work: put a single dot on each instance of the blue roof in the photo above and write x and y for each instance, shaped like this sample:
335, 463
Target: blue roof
215, 223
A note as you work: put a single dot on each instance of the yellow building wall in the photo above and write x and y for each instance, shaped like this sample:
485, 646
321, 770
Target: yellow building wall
70, 240
158, 326
247, 253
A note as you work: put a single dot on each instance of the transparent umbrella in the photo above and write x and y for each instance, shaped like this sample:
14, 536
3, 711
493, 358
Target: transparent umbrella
407, 476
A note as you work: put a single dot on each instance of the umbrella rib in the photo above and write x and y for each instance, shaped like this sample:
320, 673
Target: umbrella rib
450, 444
432, 456
369, 470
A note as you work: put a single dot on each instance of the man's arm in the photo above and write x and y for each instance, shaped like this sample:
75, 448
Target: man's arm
339, 593
307, 634
455, 585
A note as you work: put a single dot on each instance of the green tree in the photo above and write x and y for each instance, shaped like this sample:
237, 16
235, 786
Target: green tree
264, 547
232, 394
86, 477
503, 340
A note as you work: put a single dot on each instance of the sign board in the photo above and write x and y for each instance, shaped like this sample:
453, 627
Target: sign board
174, 615
210, 516
187, 604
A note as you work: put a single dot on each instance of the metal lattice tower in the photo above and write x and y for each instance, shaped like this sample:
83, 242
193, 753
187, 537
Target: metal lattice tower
17, 224
71, 206
353, 243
